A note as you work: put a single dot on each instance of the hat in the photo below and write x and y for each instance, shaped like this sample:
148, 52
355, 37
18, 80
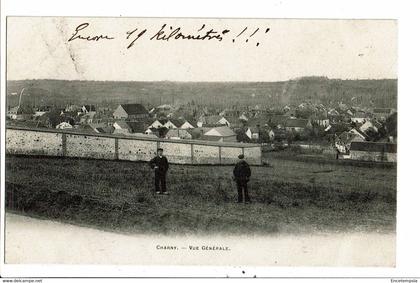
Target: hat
160, 149
241, 156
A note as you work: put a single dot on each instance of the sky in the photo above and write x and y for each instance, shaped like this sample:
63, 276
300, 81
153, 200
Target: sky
281, 49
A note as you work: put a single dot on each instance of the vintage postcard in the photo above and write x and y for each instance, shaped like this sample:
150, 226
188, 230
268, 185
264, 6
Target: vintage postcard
205, 141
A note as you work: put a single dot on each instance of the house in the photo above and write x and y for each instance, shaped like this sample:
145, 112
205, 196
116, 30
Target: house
51, 119
87, 118
290, 113
243, 117
88, 108
242, 136
223, 134
20, 113
234, 122
221, 121
73, 108
102, 128
333, 112
156, 124
369, 125
136, 127
277, 121
253, 133
121, 127
159, 132
12, 112
39, 111
382, 113
322, 122
164, 109
354, 135
297, 125
373, 151
130, 112
130, 127
64, 125
212, 120
359, 117
178, 134
172, 124
230, 113
187, 125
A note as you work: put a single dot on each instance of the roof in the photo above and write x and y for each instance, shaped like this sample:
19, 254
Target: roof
134, 109
177, 122
213, 119
122, 124
234, 121
223, 131
360, 132
177, 132
374, 147
297, 123
360, 114
382, 110
276, 119
261, 121
211, 138
194, 124
90, 107
138, 127
241, 136
231, 112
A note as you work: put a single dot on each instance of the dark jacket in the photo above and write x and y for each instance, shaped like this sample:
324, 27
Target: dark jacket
161, 163
242, 171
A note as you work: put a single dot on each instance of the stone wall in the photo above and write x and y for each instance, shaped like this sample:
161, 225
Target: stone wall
373, 156
102, 146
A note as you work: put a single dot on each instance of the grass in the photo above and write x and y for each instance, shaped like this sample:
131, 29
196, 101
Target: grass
288, 196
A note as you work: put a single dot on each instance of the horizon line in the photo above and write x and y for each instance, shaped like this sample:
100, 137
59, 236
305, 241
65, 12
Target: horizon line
178, 81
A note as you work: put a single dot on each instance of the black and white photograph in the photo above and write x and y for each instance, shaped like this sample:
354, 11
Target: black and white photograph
201, 141
265, 134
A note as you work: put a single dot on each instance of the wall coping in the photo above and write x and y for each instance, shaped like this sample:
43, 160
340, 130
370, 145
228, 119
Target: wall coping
121, 136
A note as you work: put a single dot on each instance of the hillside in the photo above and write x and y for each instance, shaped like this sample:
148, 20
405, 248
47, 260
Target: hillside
382, 93
287, 197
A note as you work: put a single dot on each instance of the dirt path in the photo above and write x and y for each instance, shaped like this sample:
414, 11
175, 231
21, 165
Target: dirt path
30, 240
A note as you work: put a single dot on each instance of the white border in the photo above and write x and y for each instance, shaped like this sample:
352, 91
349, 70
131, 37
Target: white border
408, 233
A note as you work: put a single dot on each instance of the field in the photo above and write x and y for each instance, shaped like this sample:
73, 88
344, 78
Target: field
288, 196
222, 94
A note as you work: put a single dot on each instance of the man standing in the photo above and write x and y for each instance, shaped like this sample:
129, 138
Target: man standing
241, 174
160, 164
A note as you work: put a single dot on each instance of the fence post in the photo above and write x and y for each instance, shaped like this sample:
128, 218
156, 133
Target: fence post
192, 153
116, 149
64, 144
220, 154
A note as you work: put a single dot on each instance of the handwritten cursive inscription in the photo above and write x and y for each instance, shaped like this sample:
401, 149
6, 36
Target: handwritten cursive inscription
169, 33
77, 35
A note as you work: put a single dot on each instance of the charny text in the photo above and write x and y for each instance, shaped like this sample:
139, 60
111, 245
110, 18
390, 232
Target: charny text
165, 247
193, 248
